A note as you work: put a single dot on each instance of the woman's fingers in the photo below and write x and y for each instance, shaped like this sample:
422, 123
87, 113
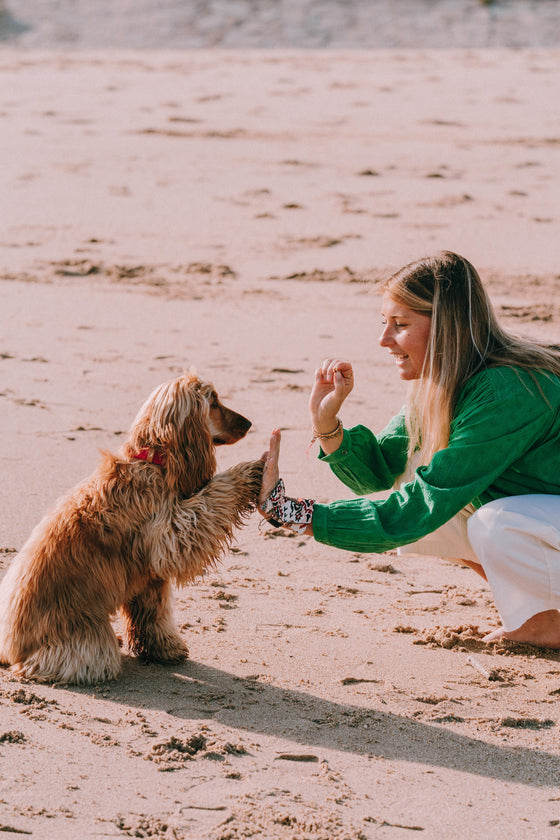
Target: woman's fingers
333, 382
330, 367
326, 372
342, 377
271, 472
274, 451
343, 381
344, 369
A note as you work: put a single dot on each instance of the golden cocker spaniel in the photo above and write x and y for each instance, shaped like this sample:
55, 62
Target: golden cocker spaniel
152, 515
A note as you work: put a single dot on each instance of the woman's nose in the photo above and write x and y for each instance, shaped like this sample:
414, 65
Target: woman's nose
385, 337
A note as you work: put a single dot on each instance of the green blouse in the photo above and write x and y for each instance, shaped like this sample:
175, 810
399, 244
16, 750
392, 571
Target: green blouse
504, 441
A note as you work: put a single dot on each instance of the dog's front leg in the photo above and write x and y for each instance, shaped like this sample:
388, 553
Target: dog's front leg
150, 627
202, 526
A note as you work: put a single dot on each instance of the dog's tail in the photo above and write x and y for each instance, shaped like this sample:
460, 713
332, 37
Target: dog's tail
9, 647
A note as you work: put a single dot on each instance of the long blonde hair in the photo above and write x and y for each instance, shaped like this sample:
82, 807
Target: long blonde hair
464, 338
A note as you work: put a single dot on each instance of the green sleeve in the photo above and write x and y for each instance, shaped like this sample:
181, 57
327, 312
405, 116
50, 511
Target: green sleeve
500, 415
366, 463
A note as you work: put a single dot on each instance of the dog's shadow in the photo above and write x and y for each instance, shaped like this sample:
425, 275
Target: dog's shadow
198, 692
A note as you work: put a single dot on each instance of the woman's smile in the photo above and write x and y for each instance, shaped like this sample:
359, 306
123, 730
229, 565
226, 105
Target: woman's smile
405, 335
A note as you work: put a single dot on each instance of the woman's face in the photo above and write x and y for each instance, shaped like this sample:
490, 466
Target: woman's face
405, 335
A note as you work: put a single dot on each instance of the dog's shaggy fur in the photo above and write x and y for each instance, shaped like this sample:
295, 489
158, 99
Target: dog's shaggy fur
122, 537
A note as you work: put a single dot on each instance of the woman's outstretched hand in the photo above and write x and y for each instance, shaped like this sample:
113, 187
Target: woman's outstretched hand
333, 382
295, 514
271, 472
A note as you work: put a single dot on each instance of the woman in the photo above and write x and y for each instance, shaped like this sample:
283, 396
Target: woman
473, 458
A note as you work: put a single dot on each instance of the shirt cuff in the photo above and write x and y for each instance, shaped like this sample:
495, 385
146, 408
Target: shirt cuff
319, 522
339, 455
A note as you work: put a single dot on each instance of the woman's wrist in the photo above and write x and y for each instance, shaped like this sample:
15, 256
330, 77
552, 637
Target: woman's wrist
323, 427
335, 432
282, 510
331, 440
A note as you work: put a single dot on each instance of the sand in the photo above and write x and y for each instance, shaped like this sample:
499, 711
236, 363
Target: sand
233, 211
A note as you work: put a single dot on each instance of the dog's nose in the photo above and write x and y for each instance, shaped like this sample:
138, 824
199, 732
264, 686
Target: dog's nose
242, 424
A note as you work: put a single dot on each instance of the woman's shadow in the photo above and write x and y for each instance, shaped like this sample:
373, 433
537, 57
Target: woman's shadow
198, 692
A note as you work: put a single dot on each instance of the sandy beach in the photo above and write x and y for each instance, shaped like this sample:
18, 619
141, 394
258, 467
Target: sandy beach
233, 210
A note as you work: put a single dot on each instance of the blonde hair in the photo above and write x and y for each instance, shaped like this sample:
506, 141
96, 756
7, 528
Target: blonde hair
464, 338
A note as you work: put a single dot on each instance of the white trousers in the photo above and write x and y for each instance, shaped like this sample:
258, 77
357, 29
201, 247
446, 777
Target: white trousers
516, 540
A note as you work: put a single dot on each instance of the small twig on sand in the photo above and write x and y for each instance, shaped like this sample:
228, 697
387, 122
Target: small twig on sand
207, 807
493, 674
356, 680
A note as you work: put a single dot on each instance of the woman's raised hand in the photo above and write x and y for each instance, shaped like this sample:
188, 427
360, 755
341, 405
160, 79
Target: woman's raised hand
333, 382
271, 472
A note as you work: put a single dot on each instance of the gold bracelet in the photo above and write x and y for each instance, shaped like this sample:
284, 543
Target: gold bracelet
318, 436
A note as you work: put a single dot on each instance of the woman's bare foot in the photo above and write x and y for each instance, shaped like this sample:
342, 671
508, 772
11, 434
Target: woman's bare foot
542, 630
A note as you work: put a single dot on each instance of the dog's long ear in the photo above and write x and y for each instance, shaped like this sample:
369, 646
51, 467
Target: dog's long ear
174, 421
189, 449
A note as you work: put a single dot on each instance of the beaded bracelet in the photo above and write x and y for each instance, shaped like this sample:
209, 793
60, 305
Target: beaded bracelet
318, 436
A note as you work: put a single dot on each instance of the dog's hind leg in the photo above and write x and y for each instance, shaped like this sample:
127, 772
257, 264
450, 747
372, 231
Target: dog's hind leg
90, 655
150, 626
